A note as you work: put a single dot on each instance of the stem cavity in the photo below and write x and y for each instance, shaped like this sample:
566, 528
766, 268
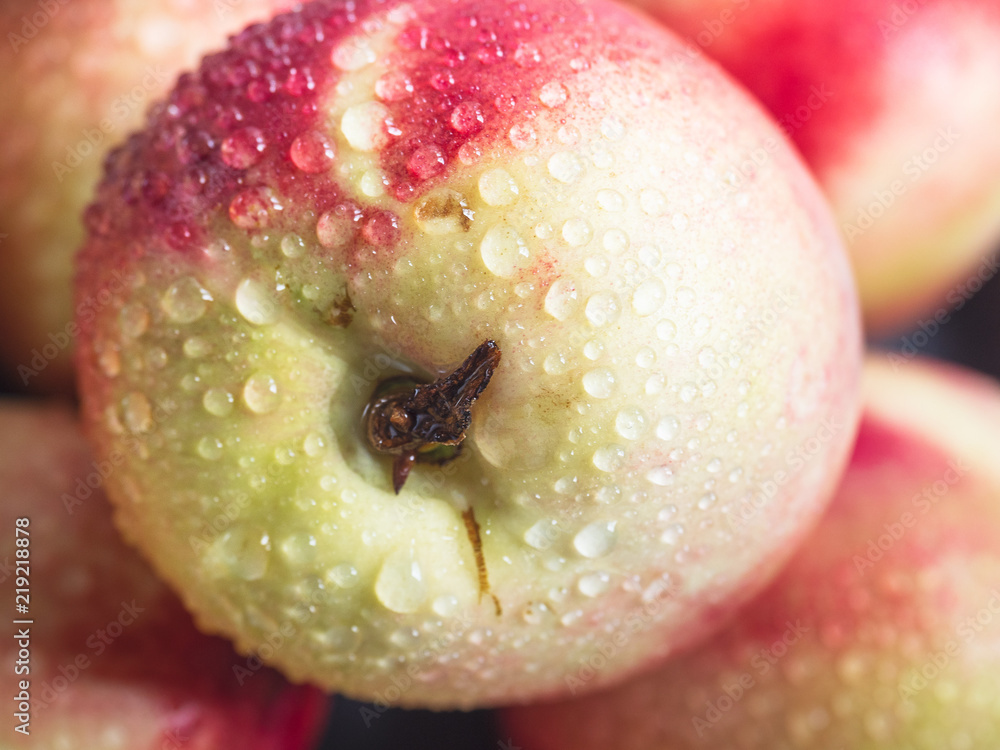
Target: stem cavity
427, 423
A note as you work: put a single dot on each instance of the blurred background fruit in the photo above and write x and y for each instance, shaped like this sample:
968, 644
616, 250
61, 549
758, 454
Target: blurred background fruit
110, 656
78, 76
894, 104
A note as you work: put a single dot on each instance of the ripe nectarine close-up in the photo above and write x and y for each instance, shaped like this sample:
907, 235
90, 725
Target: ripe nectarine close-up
404, 373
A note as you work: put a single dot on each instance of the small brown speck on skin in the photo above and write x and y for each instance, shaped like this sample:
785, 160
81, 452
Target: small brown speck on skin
341, 311
445, 206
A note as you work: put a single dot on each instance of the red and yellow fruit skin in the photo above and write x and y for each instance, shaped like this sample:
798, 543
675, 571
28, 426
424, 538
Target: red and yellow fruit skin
77, 78
884, 629
893, 105
113, 660
341, 196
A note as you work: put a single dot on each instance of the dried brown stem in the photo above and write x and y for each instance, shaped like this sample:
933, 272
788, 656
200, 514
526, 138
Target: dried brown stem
411, 421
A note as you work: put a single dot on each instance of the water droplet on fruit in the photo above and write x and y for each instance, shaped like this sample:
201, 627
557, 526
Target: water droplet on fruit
602, 308
344, 575
244, 148
648, 297
109, 361
527, 55
497, 187
445, 605
541, 534
667, 513
400, 584
335, 229
185, 301
555, 364
210, 448
661, 476
645, 357
672, 534
298, 549
425, 162
667, 428
612, 128
666, 330
254, 304
218, 401
594, 584
299, 82
503, 250
564, 485
394, 86
577, 232
615, 241
381, 229
565, 166
610, 200
442, 80
544, 230
244, 550
353, 53
196, 347
111, 420
561, 299
134, 320
467, 118
595, 539
609, 458
630, 423
649, 256
593, 349
655, 384
251, 208
156, 358
599, 383
260, 393
652, 201
469, 153
522, 136
372, 183
363, 125
553, 95
137, 412
568, 135
293, 246
443, 211
312, 152
314, 444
